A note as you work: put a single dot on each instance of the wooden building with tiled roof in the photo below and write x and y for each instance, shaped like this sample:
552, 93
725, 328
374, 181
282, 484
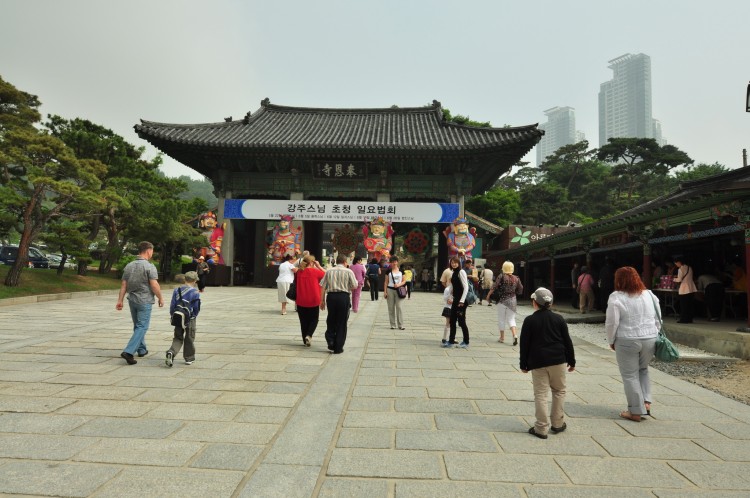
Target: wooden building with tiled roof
706, 221
393, 155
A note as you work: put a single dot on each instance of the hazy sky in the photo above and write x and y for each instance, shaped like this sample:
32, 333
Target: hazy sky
184, 61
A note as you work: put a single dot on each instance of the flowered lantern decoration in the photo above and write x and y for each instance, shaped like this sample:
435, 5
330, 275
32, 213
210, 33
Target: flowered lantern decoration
378, 240
345, 239
461, 239
416, 241
284, 240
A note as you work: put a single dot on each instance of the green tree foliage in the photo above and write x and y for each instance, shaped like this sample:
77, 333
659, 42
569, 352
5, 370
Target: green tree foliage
544, 203
699, 171
464, 120
126, 177
18, 112
67, 237
640, 165
499, 205
200, 189
584, 178
41, 175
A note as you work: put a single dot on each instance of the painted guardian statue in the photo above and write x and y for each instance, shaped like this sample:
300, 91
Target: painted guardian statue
461, 239
378, 239
285, 240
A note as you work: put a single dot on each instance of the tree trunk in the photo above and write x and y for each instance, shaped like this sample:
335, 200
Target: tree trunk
14, 275
113, 252
165, 265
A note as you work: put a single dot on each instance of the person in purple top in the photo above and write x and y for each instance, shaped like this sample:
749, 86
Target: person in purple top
360, 273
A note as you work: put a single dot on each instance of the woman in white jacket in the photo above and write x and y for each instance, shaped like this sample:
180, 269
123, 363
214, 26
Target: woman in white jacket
632, 326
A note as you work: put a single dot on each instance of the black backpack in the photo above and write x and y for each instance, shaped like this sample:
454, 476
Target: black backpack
182, 313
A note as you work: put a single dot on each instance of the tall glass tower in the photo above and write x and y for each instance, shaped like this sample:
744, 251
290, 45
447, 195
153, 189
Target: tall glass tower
559, 130
625, 100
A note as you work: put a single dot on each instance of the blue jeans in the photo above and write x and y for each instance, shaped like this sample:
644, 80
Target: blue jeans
141, 314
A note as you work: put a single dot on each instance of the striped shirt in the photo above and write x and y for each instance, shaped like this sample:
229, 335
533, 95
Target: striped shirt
339, 279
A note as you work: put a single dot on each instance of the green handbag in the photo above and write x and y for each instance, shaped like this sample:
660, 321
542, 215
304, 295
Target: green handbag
664, 349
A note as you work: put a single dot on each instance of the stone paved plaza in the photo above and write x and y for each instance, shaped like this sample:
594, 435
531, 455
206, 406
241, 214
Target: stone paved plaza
259, 415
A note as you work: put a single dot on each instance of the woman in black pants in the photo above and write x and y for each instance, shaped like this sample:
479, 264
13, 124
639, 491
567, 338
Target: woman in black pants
460, 284
373, 274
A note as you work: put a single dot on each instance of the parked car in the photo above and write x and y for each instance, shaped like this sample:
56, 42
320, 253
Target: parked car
56, 259
9, 254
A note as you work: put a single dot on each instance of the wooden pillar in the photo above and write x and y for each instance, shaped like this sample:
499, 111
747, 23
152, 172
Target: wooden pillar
552, 271
227, 242
647, 276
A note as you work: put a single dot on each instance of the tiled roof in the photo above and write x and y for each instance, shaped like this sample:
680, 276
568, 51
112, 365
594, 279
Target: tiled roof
696, 196
416, 129
482, 223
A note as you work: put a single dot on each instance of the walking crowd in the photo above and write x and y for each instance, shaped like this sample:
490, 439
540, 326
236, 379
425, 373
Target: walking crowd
633, 317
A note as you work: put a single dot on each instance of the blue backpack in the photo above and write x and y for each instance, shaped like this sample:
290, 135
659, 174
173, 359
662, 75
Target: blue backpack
471, 296
182, 312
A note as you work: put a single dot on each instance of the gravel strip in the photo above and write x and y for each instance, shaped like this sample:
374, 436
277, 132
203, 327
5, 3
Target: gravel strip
707, 365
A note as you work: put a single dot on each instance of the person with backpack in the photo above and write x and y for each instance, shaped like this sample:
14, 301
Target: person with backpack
507, 286
183, 310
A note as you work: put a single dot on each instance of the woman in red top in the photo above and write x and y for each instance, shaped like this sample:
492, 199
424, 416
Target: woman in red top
308, 279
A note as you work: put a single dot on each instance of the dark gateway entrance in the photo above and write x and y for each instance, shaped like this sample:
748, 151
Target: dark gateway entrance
386, 155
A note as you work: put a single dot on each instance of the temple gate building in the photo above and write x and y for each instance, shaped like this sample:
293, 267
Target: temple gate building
382, 159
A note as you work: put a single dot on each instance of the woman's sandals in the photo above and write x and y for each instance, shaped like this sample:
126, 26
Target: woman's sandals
630, 416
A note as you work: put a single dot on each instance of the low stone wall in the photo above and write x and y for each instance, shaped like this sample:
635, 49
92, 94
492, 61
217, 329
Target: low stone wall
725, 343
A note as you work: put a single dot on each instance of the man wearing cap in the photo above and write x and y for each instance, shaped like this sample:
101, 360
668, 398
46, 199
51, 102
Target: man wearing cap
546, 349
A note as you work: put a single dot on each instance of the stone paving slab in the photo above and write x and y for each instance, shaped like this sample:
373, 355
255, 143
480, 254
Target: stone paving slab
611, 472
281, 481
389, 420
503, 468
542, 491
32, 404
565, 443
101, 392
227, 456
114, 427
656, 448
347, 488
42, 446
447, 489
35, 423
153, 481
227, 432
355, 462
31, 388
131, 451
395, 416
365, 438
40, 479
445, 441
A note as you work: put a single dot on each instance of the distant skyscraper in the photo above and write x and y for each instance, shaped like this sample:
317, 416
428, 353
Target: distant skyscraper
657, 133
625, 100
559, 130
